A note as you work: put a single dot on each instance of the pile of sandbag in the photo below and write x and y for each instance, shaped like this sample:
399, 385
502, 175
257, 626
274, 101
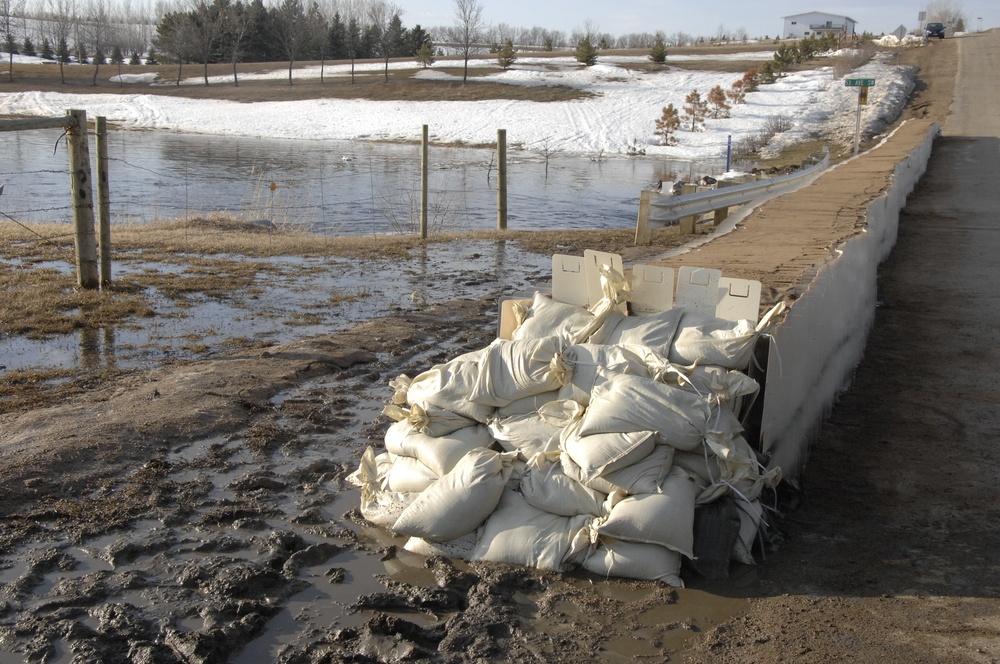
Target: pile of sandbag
590, 438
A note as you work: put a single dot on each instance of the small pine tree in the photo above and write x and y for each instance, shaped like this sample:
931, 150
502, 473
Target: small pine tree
667, 124
696, 109
717, 99
62, 51
737, 92
585, 52
99, 58
151, 57
548, 44
507, 55
81, 56
658, 52
768, 72
117, 57
751, 80
135, 59
425, 54
29, 48
47, 50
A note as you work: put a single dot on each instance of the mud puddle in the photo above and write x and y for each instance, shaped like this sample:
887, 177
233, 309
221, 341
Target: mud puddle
294, 298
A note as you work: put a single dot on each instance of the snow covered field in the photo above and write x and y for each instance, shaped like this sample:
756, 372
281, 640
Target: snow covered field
620, 115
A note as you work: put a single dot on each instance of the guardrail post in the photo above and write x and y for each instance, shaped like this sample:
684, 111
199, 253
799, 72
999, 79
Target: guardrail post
501, 179
423, 183
686, 224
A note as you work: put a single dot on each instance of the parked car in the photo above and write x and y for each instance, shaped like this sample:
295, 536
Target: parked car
934, 30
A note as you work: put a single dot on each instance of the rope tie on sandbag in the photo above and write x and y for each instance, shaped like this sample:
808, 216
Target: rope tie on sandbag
561, 368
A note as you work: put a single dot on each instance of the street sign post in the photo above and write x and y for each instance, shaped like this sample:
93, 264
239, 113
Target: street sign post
862, 84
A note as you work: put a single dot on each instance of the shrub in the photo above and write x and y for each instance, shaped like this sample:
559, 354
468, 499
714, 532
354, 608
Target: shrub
658, 52
695, 108
717, 99
667, 124
585, 52
507, 55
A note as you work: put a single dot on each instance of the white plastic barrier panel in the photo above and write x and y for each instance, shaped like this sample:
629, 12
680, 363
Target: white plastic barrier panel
652, 289
569, 280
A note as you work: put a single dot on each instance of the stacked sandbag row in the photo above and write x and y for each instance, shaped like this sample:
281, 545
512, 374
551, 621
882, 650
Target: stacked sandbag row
586, 439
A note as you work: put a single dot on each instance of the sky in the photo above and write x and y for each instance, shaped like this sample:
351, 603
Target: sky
811, 101
671, 16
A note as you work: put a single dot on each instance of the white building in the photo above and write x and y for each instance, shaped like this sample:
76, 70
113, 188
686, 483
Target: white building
817, 24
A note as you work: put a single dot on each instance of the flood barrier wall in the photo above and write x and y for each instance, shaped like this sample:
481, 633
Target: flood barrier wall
815, 351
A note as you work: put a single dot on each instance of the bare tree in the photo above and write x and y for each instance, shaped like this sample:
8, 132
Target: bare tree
381, 15
60, 26
206, 26
173, 38
355, 17
97, 29
467, 33
236, 21
290, 29
945, 11
9, 11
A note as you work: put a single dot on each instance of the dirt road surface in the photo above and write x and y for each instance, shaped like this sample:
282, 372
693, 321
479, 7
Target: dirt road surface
199, 513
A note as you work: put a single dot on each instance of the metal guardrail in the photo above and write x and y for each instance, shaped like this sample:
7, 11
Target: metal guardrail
656, 210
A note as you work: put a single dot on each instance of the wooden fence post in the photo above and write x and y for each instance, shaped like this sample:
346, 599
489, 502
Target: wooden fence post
501, 179
83, 201
423, 183
103, 203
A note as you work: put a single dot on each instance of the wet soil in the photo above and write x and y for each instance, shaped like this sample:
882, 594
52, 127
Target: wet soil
200, 512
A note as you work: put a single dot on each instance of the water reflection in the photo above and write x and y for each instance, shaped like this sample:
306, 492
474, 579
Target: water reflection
335, 187
97, 348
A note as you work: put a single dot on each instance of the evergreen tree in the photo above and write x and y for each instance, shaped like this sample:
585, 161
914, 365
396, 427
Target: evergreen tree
667, 124
585, 52
717, 99
29, 48
695, 108
116, 56
417, 37
337, 38
507, 55
151, 57
425, 54
99, 58
47, 50
62, 51
737, 92
135, 59
658, 52
81, 55
396, 40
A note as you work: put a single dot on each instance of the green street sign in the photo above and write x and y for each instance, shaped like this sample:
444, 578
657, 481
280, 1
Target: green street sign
859, 82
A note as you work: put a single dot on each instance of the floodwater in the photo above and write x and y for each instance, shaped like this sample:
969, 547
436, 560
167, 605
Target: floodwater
332, 187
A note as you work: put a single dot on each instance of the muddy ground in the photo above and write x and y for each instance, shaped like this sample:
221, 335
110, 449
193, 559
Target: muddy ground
200, 513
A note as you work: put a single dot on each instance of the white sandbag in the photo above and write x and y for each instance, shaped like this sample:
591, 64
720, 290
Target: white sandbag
429, 419
408, 475
644, 476
573, 470
666, 518
528, 434
379, 506
460, 548
709, 340
546, 487
602, 453
448, 386
460, 501
736, 470
751, 515
548, 318
635, 560
588, 359
439, 453
621, 403
527, 404
520, 534
512, 370
655, 331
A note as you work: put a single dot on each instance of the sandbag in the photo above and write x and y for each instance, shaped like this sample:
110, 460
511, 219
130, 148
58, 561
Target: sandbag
381, 507
623, 403
548, 318
527, 405
429, 419
602, 453
408, 475
588, 359
461, 547
528, 434
738, 472
751, 515
439, 453
448, 386
520, 534
635, 560
716, 527
666, 518
547, 487
644, 476
460, 501
708, 340
655, 331
512, 370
